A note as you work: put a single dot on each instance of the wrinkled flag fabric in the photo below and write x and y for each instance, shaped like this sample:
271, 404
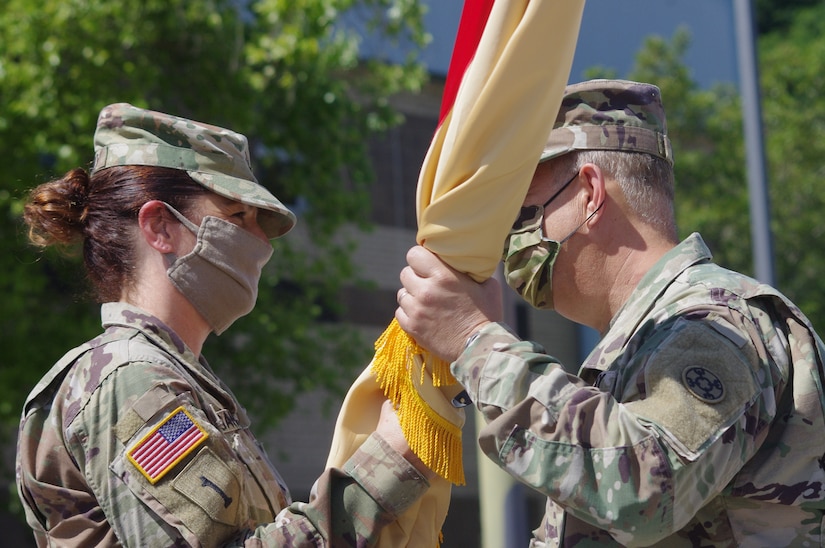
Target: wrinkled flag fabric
510, 65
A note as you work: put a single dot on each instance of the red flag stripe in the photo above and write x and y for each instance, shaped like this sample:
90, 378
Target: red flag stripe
474, 17
150, 445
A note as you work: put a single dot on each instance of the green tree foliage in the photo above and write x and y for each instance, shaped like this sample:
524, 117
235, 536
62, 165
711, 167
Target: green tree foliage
705, 128
777, 15
283, 72
792, 64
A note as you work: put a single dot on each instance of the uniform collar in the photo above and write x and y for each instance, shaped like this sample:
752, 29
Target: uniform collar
127, 315
691, 251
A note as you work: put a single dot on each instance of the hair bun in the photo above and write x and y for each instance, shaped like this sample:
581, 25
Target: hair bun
56, 211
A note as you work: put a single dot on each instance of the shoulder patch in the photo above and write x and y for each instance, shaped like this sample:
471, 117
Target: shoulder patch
697, 383
703, 384
159, 451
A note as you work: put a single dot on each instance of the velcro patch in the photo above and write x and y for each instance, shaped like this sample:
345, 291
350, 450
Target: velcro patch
177, 435
697, 382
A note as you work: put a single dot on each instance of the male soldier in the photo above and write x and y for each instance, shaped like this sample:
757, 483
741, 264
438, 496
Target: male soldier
698, 418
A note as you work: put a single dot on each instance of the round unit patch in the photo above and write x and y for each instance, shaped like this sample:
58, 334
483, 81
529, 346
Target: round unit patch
703, 384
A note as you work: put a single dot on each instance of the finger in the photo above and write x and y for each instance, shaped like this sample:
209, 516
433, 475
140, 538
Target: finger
402, 318
423, 262
410, 282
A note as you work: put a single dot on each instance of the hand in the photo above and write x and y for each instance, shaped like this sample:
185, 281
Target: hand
390, 429
441, 307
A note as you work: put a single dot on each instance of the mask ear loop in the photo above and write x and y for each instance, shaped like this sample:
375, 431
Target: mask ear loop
170, 258
574, 230
559, 191
186, 222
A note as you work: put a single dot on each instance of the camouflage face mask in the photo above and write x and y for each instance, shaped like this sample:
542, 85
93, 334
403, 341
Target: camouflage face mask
529, 257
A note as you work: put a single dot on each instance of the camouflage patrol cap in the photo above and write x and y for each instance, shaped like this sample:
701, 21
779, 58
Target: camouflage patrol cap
610, 115
216, 158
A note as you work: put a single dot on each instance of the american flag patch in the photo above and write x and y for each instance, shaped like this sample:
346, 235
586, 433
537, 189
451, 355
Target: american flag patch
167, 444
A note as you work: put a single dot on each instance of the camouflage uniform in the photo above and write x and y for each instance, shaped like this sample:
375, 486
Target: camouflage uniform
83, 483
696, 421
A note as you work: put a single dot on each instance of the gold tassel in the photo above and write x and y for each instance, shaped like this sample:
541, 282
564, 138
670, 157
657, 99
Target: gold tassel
435, 440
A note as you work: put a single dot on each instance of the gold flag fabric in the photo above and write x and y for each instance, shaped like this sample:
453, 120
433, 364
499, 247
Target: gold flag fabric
472, 183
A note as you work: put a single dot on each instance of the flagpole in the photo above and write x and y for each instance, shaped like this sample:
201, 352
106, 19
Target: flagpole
754, 146
502, 500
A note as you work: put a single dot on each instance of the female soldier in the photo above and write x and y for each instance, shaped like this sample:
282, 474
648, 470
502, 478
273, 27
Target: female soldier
131, 438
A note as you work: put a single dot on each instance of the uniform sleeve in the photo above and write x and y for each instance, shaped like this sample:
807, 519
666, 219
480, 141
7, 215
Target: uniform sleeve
641, 458
94, 439
204, 500
349, 506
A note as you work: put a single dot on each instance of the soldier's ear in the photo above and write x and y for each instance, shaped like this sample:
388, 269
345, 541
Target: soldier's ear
154, 222
593, 181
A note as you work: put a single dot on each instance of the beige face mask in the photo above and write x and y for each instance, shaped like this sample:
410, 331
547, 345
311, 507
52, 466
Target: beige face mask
220, 275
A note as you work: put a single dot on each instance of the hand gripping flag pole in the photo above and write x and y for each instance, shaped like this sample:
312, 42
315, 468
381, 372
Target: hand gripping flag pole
507, 75
436, 441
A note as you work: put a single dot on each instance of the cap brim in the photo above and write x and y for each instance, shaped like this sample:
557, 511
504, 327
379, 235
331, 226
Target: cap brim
276, 220
553, 152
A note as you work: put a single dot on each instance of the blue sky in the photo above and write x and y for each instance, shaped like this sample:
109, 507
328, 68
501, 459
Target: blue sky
613, 31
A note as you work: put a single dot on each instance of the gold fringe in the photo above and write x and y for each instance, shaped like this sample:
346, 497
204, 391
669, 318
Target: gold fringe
440, 370
434, 439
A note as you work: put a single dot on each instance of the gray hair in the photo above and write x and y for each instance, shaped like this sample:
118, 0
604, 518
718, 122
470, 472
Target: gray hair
646, 181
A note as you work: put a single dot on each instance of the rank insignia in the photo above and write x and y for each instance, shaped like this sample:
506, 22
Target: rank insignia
177, 435
703, 384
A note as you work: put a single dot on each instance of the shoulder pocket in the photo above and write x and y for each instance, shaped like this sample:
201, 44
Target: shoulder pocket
200, 494
697, 383
210, 485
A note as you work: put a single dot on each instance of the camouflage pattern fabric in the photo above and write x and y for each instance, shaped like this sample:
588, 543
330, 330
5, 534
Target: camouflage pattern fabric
215, 157
610, 115
83, 480
528, 258
696, 421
